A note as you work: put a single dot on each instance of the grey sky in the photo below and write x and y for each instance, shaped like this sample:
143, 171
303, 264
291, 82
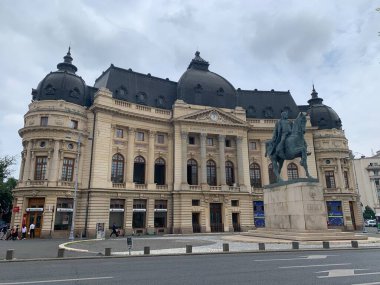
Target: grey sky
281, 45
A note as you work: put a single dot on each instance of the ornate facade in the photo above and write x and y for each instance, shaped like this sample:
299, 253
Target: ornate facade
156, 156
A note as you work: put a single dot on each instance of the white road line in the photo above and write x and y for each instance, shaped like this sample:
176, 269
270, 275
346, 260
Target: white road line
314, 265
297, 258
56, 281
373, 283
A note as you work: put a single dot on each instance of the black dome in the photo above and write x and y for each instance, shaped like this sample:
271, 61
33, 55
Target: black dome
322, 116
62, 84
200, 86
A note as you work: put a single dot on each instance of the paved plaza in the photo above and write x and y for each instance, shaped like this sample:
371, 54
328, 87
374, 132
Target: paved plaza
168, 244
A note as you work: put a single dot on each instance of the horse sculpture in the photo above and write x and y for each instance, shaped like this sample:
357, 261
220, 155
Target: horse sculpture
295, 146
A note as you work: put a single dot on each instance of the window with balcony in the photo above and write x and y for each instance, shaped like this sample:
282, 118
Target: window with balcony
255, 175
139, 170
230, 179
192, 172
211, 172
159, 171
117, 169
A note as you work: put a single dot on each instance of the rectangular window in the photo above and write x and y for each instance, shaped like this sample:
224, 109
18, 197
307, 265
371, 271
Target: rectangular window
195, 202
74, 124
139, 214
160, 213
346, 183
116, 213
68, 169
40, 172
235, 203
119, 133
228, 143
210, 141
252, 145
140, 136
160, 139
63, 214
330, 179
44, 121
191, 140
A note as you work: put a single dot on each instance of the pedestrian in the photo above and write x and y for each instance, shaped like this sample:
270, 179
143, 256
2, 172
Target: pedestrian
15, 233
23, 232
3, 233
114, 230
31, 230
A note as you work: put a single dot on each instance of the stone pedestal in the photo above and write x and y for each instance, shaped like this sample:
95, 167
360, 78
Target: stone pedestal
298, 206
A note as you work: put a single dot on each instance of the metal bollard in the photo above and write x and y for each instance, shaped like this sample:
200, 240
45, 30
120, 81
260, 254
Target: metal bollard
146, 250
189, 248
61, 252
261, 246
326, 244
226, 247
295, 245
9, 254
354, 244
107, 251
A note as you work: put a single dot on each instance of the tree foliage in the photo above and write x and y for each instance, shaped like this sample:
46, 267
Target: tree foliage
6, 185
368, 213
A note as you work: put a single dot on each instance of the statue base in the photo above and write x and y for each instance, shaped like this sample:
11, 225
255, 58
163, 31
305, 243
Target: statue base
295, 206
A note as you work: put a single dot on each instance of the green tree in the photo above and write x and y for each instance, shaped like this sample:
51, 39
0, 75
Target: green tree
368, 213
7, 184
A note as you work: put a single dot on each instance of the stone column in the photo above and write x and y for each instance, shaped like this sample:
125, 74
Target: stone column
128, 215
53, 173
184, 157
28, 159
152, 137
170, 162
239, 150
340, 181
203, 159
150, 216
222, 159
264, 166
130, 156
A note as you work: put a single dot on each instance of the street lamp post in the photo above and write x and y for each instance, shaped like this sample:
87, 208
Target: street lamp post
71, 236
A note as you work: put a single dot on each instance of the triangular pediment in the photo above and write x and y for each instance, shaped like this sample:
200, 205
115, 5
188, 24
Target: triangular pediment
212, 116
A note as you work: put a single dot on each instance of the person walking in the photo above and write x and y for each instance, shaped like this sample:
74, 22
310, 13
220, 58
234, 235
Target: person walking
31, 229
15, 233
114, 230
23, 232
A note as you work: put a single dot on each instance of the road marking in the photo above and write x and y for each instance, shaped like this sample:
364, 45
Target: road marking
345, 273
297, 258
373, 283
56, 280
314, 265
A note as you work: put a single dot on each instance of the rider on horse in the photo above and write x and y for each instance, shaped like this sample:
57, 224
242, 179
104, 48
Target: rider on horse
282, 130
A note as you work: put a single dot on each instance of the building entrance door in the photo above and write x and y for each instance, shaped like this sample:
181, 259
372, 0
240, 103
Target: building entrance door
352, 215
236, 222
216, 221
35, 214
196, 224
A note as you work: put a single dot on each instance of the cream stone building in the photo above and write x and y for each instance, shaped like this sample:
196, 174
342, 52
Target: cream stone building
155, 156
367, 170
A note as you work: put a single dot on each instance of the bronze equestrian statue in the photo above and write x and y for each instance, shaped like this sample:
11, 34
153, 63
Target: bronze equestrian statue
288, 143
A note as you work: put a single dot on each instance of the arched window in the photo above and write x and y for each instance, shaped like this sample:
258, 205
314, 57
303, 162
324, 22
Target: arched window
255, 175
192, 172
272, 176
159, 171
230, 179
139, 170
292, 171
117, 171
211, 172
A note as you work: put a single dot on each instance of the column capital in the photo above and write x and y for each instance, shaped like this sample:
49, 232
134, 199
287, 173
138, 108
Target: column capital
239, 139
131, 131
184, 135
221, 138
152, 134
203, 135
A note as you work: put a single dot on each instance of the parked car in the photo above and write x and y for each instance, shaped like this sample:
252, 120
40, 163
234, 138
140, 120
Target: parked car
370, 223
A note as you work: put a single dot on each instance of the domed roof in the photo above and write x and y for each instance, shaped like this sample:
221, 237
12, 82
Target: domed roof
200, 86
62, 84
322, 116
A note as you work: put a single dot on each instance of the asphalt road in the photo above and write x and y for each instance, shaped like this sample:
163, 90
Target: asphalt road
316, 267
